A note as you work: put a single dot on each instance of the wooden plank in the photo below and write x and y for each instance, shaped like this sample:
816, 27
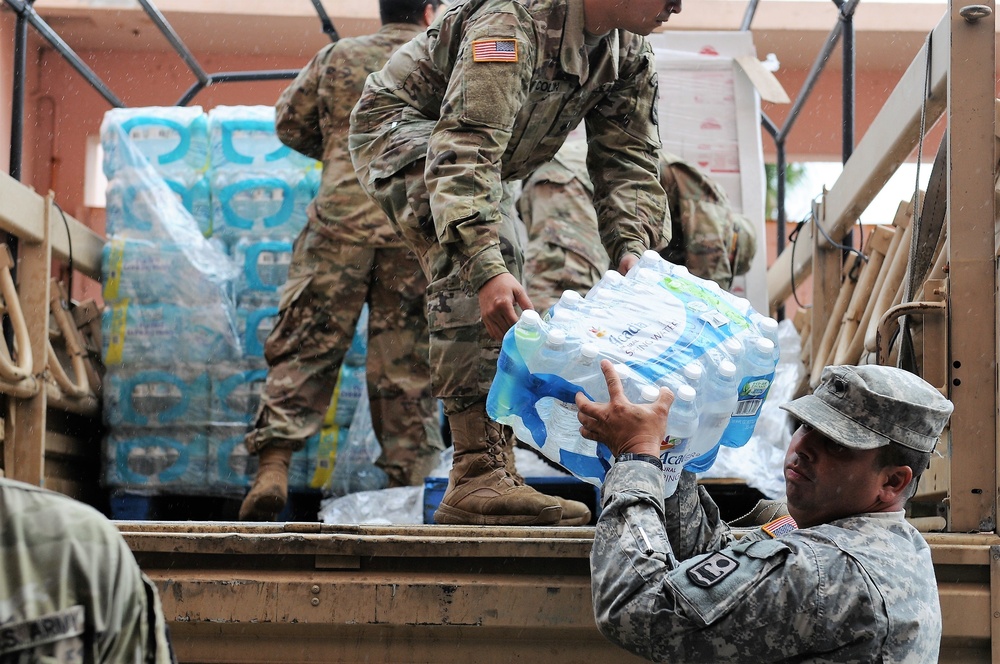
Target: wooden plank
25, 424
972, 276
22, 214
889, 140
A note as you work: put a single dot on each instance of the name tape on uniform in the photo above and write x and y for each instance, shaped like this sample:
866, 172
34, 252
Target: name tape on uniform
40, 631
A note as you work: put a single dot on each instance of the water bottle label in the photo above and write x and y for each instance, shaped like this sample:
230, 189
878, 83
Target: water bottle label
752, 392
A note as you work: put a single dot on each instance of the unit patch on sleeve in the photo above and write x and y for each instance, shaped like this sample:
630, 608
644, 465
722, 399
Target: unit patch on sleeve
780, 526
494, 50
712, 570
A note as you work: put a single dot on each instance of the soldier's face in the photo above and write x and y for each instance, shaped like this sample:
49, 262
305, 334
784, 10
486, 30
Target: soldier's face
638, 16
644, 16
825, 481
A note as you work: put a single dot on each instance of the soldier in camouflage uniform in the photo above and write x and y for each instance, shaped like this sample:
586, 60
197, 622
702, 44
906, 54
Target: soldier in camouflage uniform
564, 252
564, 249
851, 581
347, 255
70, 589
709, 238
481, 99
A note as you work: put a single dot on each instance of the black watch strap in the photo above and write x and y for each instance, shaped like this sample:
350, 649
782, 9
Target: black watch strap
648, 458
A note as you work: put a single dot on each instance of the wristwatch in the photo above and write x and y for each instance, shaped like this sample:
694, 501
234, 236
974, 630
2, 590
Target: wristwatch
648, 458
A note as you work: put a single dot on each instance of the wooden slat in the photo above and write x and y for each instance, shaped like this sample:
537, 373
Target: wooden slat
22, 212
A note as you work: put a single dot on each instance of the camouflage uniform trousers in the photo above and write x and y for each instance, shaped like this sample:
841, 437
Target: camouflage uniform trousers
550, 269
463, 356
320, 305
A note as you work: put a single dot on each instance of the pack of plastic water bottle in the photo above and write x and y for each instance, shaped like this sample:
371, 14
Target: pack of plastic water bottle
260, 203
172, 138
263, 267
244, 136
236, 390
149, 271
254, 325
193, 190
660, 326
156, 396
175, 457
164, 333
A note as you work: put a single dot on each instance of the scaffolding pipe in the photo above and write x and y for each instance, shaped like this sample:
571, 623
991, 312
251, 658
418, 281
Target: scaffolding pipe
17, 100
324, 19
236, 77
748, 15
171, 36
847, 93
817, 69
48, 34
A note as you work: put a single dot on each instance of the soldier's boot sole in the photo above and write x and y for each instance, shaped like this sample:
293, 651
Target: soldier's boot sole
477, 504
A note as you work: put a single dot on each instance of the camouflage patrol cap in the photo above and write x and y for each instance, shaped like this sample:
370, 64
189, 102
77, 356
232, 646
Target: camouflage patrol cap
870, 406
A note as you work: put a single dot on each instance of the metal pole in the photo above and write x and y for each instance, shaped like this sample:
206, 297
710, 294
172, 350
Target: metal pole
817, 69
324, 19
25, 10
17, 97
847, 18
175, 40
237, 77
748, 15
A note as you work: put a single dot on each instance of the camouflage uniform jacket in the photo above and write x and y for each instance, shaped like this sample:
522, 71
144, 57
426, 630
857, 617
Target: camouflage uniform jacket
70, 590
479, 123
565, 218
709, 237
859, 589
313, 117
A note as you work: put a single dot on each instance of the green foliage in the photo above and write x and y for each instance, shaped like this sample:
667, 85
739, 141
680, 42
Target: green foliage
795, 175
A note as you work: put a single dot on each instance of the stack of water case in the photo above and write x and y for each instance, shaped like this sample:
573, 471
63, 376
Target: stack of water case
660, 326
260, 190
186, 317
169, 314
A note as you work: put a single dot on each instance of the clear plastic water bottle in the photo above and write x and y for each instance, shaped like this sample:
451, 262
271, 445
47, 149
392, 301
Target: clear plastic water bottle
652, 260
632, 383
584, 371
682, 424
551, 357
718, 403
768, 328
759, 373
528, 333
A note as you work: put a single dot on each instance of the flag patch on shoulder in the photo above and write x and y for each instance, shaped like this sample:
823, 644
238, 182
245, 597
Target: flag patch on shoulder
494, 50
780, 526
712, 570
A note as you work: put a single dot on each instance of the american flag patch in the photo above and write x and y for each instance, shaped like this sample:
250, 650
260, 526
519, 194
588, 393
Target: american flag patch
494, 50
780, 526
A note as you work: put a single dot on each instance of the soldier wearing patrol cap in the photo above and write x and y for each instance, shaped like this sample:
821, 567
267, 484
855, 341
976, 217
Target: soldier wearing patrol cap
347, 255
488, 93
843, 578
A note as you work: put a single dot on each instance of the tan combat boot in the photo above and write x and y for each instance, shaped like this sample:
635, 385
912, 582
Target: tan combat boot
480, 490
270, 488
574, 513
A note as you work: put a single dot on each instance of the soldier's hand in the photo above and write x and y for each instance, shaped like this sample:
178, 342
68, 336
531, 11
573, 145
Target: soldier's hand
627, 262
497, 298
620, 424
